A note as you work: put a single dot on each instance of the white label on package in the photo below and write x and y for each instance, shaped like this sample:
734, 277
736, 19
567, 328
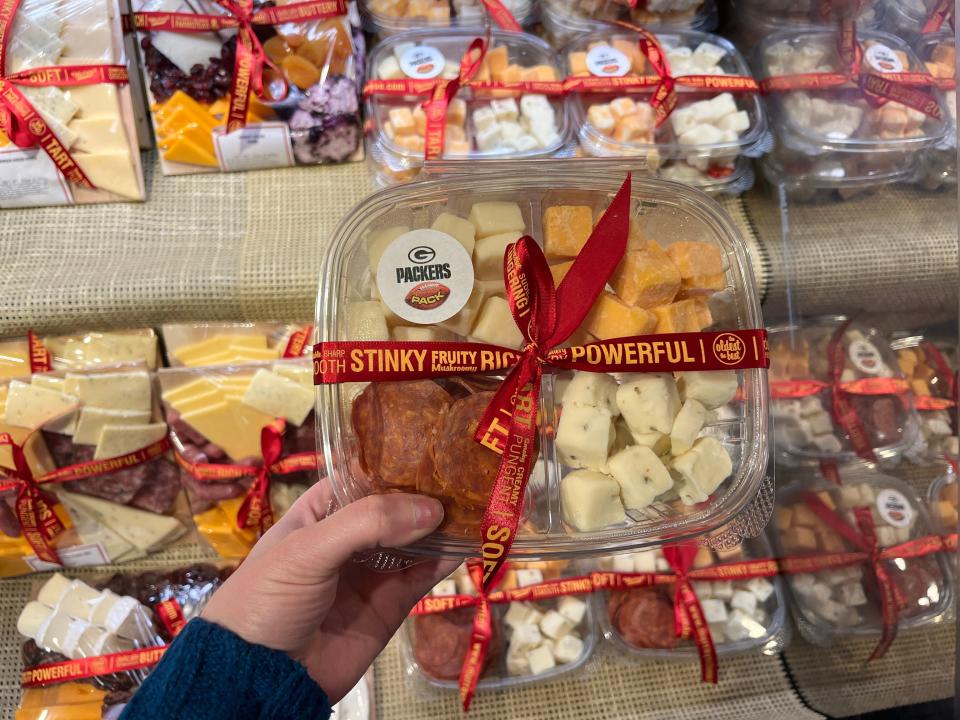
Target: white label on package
422, 62
258, 146
883, 59
425, 276
894, 508
865, 357
606, 61
75, 556
29, 178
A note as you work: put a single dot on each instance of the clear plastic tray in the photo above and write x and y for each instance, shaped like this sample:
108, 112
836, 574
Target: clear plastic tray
771, 641
848, 123
700, 163
937, 167
382, 20
927, 604
665, 211
944, 490
566, 20
753, 20
906, 18
392, 161
496, 675
804, 427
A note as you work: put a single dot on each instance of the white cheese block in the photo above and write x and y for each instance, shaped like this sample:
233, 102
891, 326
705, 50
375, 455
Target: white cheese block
54, 589
593, 390
851, 594
649, 403
365, 321
54, 632
641, 476
488, 254
495, 325
704, 466
102, 134
277, 396
52, 103
741, 625
572, 608
712, 388
529, 576
93, 532
146, 531
93, 101
90, 43
114, 391
112, 171
517, 614
714, 611
49, 382
687, 426
541, 660
517, 662
183, 49
378, 241
78, 601
590, 500
703, 589
445, 587
302, 374
462, 323
495, 218
568, 649
117, 440
92, 420
744, 600
31, 406
525, 636
33, 617
457, 227
31, 34
584, 436
723, 589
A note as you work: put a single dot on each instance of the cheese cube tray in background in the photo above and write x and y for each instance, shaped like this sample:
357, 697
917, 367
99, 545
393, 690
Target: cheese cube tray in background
753, 20
712, 165
384, 18
939, 588
392, 162
566, 20
937, 166
671, 213
221, 343
774, 638
944, 489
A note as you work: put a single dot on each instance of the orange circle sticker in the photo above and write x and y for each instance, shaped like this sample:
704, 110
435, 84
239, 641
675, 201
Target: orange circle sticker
729, 349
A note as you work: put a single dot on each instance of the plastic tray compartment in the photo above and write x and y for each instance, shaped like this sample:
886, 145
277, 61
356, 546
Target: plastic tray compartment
665, 211
834, 122
906, 18
942, 499
768, 636
674, 148
804, 427
753, 20
937, 166
393, 159
384, 18
925, 581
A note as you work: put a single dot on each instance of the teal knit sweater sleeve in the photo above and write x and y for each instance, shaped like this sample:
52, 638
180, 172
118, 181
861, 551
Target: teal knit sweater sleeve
210, 673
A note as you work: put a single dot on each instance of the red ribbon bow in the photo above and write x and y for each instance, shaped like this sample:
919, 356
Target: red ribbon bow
688, 617
21, 122
256, 510
34, 508
443, 92
251, 58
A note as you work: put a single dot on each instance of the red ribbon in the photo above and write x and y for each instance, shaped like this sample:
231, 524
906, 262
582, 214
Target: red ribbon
251, 58
40, 361
256, 510
689, 620
503, 18
943, 12
21, 122
34, 508
297, 342
171, 616
443, 92
89, 667
877, 89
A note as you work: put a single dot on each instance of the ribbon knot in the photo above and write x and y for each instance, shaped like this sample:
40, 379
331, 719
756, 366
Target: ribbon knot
688, 618
256, 511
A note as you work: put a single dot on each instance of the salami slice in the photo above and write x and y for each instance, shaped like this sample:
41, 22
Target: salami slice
464, 469
441, 642
643, 617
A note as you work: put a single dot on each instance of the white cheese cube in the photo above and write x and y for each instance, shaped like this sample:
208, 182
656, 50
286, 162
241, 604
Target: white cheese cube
886, 536
760, 587
827, 444
463, 321
572, 608
534, 616
829, 610
524, 143
737, 123
851, 594
741, 625
450, 70
583, 436
712, 388
554, 625
420, 333
488, 139
744, 600
568, 649
545, 134
517, 662
445, 587
365, 321
389, 69
505, 109
457, 227
593, 390
488, 255
705, 466
819, 592
526, 636
819, 423
649, 403
622, 564
541, 660
662, 565
495, 218
496, 325
723, 589
715, 611
708, 54
645, 561
378, 241
401, 49
687, 426
683, 119
703, 589
529, 576
702, 134
718, 631
641, 476
509, 132
517, 614
590, 500
484, 119
658, 442
533, 105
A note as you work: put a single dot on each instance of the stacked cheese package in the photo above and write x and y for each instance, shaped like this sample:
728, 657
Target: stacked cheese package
937, 167
841, 601
531, 641
310, 115
390, 17
97, 420
618, 456
217, 409
744, 615
834, 141
568, 20
929, 370
709, 135
202, 344
480, 124
73, 619
92, 122
79, 351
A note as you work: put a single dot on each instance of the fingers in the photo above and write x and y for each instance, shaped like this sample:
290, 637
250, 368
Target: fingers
395, 520
309, 509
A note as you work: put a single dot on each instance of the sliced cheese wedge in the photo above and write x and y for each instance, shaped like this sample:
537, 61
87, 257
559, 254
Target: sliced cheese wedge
93, 419
219, 342
302, 374
117, 440
112, 171
279, 396
49, 382
102, 134
233, 426
187, 390
92, 531
146, 531
32, 406
99, 100
115, 391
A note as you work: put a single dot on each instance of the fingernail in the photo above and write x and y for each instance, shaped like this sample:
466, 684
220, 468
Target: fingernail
427, 512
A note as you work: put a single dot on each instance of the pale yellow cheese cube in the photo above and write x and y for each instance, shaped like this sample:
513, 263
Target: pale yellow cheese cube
421, 333
495, 218
488, 254
365, 321
457, 227
496, 325
462, 322
378, 241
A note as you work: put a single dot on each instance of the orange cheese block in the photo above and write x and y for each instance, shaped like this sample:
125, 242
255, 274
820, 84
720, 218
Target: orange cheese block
218, 526
702, 285
183, 150
799, 539
578, 63
610, 318
696, 259
945, 54
704, 316
678, 317
646, 278
497, 60
566, 229
559, 271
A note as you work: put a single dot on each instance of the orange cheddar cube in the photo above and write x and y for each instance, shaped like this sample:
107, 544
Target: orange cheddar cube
455, 133
678, 317
610, 318
700, 286
456, 147
566, 229
512, 73
497, 60
827, 499
419, 120
804, 516
457, 112
696, 258
559, 271
799, 539
622, 106
578, 63
920, 387
413, 143
438, 12
646, 278
945, 54
631, 49
483, 74
402, 121
631, 128
829, 541
542, 73
704, 316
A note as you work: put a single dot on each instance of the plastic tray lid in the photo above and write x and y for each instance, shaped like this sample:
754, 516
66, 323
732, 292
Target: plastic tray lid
476, 14
571, 14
